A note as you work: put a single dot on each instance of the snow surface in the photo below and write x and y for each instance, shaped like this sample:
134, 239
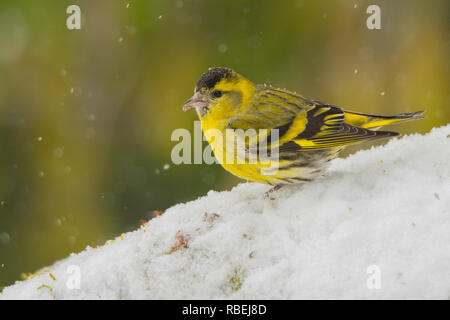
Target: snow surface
386, 208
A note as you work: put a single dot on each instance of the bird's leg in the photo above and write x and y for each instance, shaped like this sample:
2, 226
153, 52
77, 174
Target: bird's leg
275, 188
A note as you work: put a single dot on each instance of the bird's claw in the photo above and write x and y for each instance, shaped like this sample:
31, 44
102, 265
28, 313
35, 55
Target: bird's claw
267, 194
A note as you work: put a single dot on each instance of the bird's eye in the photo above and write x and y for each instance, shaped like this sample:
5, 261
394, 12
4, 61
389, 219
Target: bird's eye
216, 93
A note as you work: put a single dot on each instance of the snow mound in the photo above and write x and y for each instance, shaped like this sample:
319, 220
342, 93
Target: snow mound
377, 225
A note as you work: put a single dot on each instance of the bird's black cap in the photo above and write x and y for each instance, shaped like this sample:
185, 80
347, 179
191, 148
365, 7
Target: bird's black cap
212, 76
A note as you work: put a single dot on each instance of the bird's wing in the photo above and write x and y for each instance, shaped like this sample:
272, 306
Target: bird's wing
326, 128
301, 124
271, 109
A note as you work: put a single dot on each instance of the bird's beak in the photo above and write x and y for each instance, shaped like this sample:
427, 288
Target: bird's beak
196, 101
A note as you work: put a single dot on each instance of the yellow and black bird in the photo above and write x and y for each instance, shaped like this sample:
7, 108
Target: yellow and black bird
310, 133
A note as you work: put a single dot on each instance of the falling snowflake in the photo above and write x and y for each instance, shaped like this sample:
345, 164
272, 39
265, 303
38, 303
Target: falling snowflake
223, 48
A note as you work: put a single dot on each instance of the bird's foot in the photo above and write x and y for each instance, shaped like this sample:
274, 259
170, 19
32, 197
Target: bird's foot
267, 195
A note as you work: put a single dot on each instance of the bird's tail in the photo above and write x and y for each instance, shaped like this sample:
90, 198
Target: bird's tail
373, 121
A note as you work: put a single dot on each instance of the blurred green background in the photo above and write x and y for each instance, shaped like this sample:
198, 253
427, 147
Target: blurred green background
86, 115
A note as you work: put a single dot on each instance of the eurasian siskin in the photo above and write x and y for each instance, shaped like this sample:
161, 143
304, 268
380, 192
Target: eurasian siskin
309, 133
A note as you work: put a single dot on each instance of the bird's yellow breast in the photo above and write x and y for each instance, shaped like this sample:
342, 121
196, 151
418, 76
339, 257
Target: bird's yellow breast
225, 148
